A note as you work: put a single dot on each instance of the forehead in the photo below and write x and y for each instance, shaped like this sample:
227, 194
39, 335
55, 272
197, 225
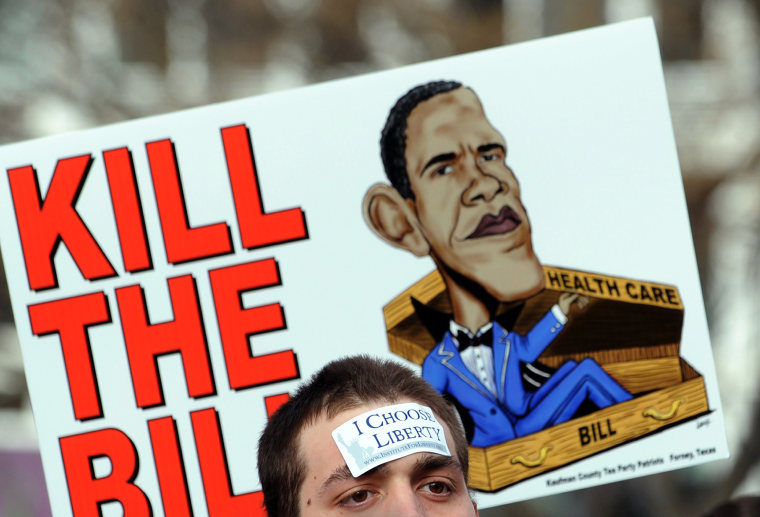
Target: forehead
446, 107
448, 119
316, 445
319, 451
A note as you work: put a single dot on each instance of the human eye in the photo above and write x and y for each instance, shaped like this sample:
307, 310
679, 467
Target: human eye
438, 488
356, 498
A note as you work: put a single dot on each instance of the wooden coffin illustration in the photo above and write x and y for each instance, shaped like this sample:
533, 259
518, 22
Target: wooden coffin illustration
631, 328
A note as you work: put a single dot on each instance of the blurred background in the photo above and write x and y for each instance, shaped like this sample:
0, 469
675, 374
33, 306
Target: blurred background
71, 64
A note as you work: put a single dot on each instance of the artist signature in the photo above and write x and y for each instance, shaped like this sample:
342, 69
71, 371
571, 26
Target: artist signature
703, 423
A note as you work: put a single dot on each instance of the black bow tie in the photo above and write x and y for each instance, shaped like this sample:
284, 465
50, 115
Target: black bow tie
465, 340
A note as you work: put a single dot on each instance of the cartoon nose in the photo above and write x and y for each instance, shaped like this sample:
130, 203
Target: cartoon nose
483, 186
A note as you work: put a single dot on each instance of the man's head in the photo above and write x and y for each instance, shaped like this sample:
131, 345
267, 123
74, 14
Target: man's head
303, 472
459, 201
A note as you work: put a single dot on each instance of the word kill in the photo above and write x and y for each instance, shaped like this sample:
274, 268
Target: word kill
46, 222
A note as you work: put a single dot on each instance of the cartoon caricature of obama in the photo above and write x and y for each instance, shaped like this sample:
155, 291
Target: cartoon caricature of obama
453, 197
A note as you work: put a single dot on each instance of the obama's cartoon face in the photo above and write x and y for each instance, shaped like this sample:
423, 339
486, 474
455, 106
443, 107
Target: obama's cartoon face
465, 210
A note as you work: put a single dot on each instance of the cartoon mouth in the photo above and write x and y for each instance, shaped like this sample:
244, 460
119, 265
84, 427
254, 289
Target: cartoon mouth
503, 222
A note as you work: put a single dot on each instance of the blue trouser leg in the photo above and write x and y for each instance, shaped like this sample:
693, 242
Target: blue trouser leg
562, 398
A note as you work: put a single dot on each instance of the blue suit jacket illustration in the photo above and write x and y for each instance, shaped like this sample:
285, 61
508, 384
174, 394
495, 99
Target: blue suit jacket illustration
494, 417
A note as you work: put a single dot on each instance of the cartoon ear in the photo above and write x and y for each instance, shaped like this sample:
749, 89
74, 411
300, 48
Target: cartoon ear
392, 218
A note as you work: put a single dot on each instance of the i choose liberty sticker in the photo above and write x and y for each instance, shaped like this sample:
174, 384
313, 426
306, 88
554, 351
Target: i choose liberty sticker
388, 433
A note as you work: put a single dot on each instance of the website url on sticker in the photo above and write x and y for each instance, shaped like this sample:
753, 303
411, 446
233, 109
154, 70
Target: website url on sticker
401, 448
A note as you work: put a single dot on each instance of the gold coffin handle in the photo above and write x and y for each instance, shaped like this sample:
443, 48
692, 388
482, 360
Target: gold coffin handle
522, 460
654, 413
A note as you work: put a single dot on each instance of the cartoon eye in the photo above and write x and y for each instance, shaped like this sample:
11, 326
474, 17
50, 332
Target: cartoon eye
489, 157
444, 170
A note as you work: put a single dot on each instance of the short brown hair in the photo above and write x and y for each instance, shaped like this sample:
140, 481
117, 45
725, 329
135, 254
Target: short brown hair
341, 385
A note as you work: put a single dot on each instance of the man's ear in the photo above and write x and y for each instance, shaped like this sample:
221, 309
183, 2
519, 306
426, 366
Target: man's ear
391, 217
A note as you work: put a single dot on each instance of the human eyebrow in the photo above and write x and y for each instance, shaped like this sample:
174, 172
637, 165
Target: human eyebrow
433, 462
490, 146
342, 473
443, 157
339, 474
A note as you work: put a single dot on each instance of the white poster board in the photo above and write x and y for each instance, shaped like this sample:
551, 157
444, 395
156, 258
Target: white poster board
237, 223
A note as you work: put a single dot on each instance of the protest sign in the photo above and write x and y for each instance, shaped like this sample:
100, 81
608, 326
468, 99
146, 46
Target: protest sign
174, 278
